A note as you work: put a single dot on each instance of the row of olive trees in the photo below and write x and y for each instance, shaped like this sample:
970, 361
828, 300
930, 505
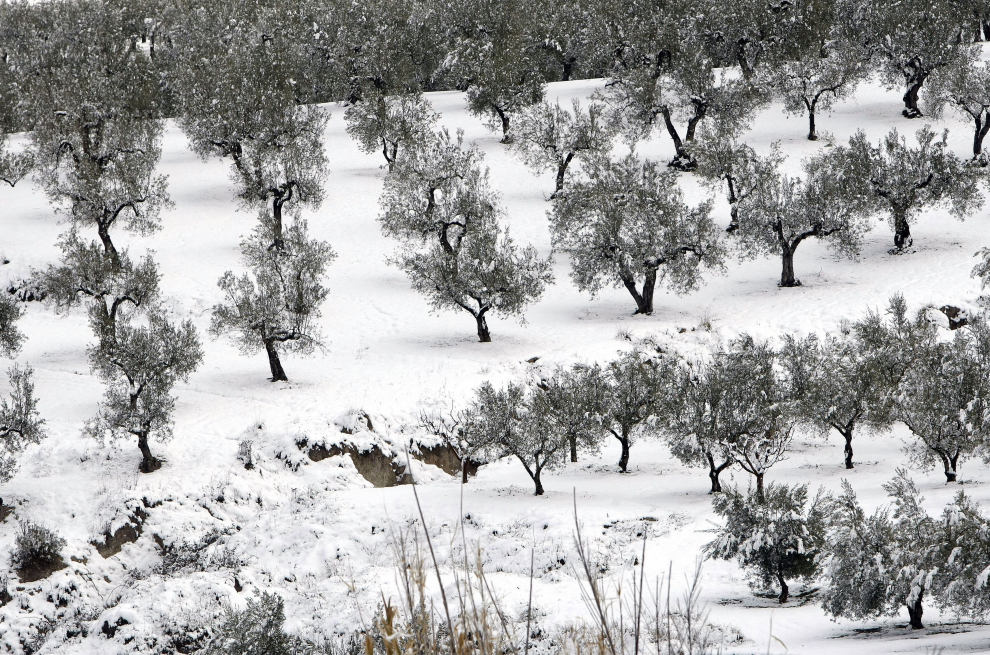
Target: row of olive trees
741, 403
872, 565
95, 153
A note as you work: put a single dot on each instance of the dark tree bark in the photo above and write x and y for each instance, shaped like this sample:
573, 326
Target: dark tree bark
484, 336
624, 457
644, 300
538, 483
902, 231
982, 127
573, 444
390, 151
277, 217
149, 463
568, 69
848, 436
949, 464
682, 158
911, 108
103, 230
714, 471
504, 117
759, 486
812, 132
278, 374
561, 170
915, 612
787, 278
784, 591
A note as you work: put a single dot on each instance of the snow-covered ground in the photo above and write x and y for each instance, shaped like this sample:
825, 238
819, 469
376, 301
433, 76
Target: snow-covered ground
317, 532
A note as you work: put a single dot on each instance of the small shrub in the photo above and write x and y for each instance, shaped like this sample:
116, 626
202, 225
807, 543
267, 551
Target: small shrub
37, 551
257, 630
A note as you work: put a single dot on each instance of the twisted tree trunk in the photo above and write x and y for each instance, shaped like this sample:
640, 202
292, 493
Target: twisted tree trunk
278, 374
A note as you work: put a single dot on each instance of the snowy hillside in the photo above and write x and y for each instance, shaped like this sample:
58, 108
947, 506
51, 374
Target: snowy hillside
318, 532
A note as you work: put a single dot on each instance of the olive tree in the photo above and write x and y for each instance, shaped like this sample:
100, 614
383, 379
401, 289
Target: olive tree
490, 57
901, 181
548, 137
275, 307
775, 535
912, 41
96, 138
723, 160
964, 86
384, 123
782, 212
20, 422
825, 73
942, 398
514, 422
13, 166
625, 223
140, 367
439, 205
629, 394
845, 381
570, 399
237, 100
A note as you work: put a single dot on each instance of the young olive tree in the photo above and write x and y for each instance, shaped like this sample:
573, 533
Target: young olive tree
826, 73
942, 398
439, 204
625, 222
277, 306
96, 140
20, 422
114, 289
964, 86
914, 558
775, 535
237, 100
901, 181
631, 388
912, 40
856, 564
10, 337
782, 212
570, 399
548, 137
384, 123
844, 381
140, 367
515, 422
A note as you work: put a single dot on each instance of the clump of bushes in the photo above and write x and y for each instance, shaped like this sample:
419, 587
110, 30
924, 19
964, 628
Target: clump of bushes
37, 552
257, 630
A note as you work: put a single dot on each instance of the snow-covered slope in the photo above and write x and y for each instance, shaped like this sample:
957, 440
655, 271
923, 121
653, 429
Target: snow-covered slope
317, 532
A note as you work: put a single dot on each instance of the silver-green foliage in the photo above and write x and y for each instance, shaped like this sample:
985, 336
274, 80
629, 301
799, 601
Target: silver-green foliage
20, 422
626, 223
548, 137
275, 307
439, 204
776, 535
386, 123
140, 366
